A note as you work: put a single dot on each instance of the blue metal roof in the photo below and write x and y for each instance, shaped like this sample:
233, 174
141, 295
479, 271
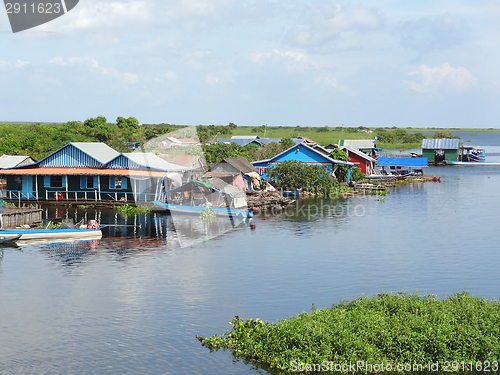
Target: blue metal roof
239, 141
441, 144
402, 162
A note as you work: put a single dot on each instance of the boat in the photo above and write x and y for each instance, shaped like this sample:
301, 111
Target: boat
389, 177
475, 163
472, 154
35, 234
291, 193
197, 210
194, 197
9, 238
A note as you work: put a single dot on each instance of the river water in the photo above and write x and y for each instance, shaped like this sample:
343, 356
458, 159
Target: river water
134, 301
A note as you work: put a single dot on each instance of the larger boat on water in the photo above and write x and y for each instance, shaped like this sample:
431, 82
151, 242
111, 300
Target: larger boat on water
472, 154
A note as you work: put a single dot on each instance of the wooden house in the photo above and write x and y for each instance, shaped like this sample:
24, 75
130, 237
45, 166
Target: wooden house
440, 150
86, 171
236, 171
305, 154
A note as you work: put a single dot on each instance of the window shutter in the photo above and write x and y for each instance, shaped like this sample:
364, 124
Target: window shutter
46, 181
124, 182
112, 182
96, 182
83, 182
64, 181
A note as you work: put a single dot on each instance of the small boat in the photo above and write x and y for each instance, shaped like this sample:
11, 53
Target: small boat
388, 177
35, 234
9, 238
473, 154
291, 193
197, 210
475, 163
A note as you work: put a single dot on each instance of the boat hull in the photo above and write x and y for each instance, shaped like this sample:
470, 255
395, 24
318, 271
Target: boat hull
483, 163
197, 210
35, 234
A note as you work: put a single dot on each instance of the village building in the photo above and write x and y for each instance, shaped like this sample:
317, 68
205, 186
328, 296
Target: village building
88, 171
440, 150
305, 154
238, 172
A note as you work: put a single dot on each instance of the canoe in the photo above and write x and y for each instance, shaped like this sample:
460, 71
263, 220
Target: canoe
197, 210
34, 234
9, 238
483, 163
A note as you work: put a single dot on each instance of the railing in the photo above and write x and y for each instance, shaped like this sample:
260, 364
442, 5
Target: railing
84, 196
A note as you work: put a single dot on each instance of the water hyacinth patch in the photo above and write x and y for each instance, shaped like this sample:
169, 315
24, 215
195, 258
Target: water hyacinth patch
388, 328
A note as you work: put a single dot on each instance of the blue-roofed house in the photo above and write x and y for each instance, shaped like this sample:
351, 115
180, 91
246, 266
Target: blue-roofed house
303, 153
403, 165
83, 171
441, 149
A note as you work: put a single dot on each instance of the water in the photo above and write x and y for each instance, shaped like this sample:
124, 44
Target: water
134, 301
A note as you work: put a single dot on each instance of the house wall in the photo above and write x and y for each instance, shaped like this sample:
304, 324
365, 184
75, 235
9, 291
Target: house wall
362, 162
449, 155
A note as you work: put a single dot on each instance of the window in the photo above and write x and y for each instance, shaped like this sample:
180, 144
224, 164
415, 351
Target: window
56, 181
117, 183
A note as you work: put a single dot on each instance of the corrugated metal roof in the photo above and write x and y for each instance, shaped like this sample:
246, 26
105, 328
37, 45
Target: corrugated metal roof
144, 159
184, 160
81, 171
10, 161
245, 137
98, 150
441, 143
240, 163
402, 162
359, 153
357, 143
239, 141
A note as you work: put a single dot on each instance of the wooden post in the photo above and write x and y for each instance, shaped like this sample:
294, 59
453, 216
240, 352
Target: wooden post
99, 186
66, 187
36, 187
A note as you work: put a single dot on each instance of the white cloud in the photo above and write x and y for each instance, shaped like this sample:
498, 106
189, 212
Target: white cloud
329, 20
291, 60
128, 78
444, 76
3, 64
20, 64
211, 79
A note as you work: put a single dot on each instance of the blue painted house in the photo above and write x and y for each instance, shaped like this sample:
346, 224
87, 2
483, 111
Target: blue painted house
87, 171
305, 154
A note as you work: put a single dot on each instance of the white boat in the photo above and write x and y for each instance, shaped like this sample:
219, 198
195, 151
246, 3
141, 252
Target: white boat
35, 234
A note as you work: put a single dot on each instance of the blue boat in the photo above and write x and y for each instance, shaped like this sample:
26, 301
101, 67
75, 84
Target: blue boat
473, 154
197, 210
195, 196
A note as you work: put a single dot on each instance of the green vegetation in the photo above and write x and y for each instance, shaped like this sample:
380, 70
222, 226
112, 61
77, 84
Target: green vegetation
388, 328
128, 210
207, 215
443, 134
296, 175
84, 206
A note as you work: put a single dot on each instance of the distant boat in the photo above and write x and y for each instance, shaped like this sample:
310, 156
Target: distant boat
389, 177
197, 210
291, 193
473, 154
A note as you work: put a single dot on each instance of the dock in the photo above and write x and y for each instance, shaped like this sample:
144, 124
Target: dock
13, 217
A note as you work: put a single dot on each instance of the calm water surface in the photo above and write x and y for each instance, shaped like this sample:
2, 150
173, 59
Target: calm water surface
134, 301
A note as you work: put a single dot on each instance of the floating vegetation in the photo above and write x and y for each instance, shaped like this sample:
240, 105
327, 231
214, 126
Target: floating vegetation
128, 210
390, 329
208, 215
84, 206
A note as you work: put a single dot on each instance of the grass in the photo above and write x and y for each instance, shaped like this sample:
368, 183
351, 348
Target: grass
391, 328
128, 210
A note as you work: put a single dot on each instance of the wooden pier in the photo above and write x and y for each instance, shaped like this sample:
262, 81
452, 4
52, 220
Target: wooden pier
13, 217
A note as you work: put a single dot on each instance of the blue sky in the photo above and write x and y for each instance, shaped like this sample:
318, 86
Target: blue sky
293, 62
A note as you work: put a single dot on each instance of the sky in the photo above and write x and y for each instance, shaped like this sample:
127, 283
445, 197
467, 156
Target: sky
252, 62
